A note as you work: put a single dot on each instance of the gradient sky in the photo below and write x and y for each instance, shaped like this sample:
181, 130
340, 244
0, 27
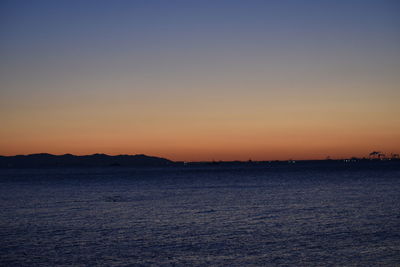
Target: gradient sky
200, 80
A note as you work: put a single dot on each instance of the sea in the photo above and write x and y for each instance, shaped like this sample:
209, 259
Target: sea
200, 216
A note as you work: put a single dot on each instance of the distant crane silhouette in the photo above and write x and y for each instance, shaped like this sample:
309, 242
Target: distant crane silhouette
375, 154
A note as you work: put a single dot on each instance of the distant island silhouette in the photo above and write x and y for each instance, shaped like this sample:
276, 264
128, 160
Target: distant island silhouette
45, 160
69, 160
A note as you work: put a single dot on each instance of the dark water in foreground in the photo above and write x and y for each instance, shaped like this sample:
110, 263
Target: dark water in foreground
122, 217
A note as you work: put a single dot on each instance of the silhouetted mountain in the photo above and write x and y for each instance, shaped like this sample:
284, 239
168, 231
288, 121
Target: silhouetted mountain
68, 160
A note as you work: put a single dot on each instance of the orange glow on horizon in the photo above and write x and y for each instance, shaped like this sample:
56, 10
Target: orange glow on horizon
307, 81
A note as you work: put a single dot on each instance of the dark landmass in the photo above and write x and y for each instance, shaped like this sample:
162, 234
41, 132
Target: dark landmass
298, 165
45, 160
68, 160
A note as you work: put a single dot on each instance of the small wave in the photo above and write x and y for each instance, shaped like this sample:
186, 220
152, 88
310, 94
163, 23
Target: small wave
115, 199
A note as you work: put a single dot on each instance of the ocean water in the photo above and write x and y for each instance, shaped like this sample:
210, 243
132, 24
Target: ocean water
199, 217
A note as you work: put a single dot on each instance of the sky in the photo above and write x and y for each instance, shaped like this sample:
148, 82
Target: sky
200, 80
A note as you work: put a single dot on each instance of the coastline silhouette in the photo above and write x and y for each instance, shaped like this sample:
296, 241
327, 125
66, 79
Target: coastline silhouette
140, 160
69, 160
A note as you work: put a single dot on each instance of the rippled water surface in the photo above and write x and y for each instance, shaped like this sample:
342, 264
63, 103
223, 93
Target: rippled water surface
122, 217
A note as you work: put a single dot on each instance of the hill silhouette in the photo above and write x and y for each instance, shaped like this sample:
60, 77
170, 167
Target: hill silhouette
69, 160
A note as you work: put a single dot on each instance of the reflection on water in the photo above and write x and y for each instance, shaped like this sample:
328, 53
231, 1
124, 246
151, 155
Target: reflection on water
115, 217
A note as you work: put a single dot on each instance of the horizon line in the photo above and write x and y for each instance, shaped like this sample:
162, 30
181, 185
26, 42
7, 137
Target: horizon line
393, 156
